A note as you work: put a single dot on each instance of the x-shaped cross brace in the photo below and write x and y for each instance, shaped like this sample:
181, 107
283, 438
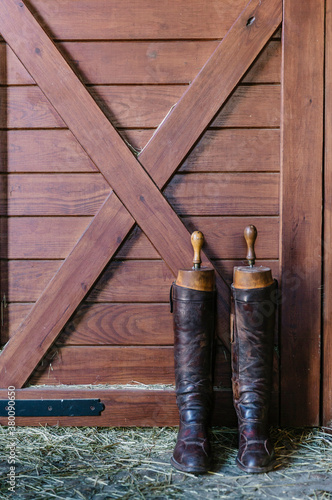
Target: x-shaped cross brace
138, 188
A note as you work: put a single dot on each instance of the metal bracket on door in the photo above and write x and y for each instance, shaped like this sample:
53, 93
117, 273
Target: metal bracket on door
51, 407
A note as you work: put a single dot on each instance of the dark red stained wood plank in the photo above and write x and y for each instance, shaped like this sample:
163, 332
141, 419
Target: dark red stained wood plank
251, 106
126, 407
74, 268
14, 314
131, 20
235, 150
94, 119
122, 324
122, 281
301, 157
158, 62
44, 151
117, 365
54, 237
327, 311
54, 194
267, 67
224, 194
103, 324
27, 107
41, 238
228, 66
133, 281
223, 238
24, 280
143, 106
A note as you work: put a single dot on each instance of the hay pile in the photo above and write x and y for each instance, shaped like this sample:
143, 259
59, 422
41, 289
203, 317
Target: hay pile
90, 463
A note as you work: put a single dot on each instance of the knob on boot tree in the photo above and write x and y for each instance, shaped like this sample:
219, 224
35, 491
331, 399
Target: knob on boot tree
254, 298
193, 303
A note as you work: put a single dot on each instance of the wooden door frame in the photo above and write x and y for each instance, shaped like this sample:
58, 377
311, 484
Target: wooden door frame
302, 131
327, 240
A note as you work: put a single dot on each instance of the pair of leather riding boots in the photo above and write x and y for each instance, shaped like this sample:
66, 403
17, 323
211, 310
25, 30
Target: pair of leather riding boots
252, 355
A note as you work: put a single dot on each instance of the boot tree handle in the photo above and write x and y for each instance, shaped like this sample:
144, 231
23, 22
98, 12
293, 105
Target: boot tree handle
197, 240
250, 235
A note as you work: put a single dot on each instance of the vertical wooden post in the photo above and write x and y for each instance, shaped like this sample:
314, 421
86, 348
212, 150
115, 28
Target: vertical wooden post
327, 331
301, 209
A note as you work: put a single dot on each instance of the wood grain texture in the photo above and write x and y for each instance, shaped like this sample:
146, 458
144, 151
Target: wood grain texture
223, 238
251, 106
41, 238
224, 194
27, 107
172, 62
54, 237
131, 20
126, 407
219, 150
74, 269
301, 157
74, 116
54, 194
45, 151
227, 65
130, 407
235, 150
133, 281
24, 280
327, 304
119, 324
122, 281
142, 106
117, 365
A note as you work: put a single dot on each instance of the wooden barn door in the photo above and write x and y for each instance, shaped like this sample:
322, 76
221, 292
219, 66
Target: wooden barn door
100, 191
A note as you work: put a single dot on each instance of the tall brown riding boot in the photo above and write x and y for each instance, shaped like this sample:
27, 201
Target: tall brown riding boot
193, 302
254, 295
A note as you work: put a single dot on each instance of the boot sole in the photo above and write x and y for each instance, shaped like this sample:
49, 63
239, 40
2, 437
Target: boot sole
255, 470
183, 468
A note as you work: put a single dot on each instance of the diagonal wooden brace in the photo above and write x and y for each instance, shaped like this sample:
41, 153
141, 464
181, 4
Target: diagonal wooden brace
137, 191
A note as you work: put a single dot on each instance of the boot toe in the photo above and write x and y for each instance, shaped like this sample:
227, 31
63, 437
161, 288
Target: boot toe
191, 457
256, 457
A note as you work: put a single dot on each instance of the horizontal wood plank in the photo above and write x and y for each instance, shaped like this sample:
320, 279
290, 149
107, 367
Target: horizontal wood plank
235, 150
40, 238
223, 238
189, 194
24, 280
53, 237
105, 324
251, 106
122, 281
27, 107
53, 194
45, 151
137, 281
129, 407
219, 150
117, 365
123, 407
142, 106
224, 194
128, 19
172, 62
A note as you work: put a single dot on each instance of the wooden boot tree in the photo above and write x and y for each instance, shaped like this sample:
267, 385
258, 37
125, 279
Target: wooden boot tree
251, 276
197, 278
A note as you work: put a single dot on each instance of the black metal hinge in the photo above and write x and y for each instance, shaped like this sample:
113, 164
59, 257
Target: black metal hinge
51, 407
